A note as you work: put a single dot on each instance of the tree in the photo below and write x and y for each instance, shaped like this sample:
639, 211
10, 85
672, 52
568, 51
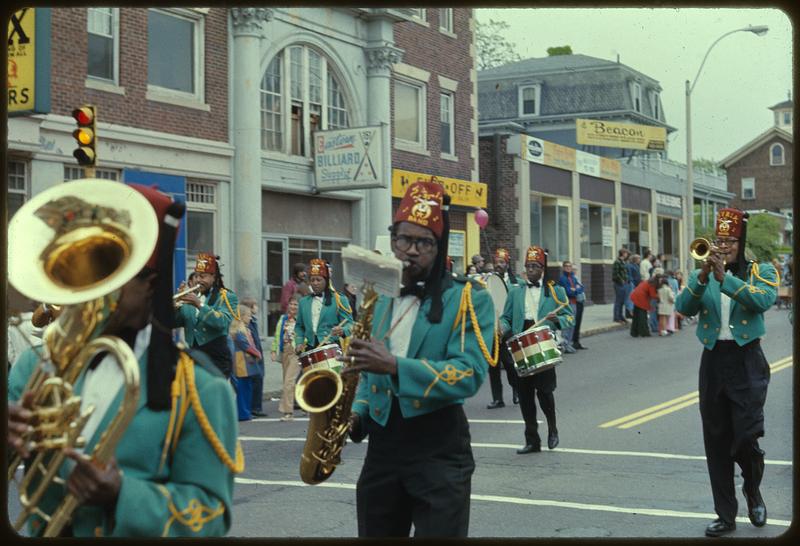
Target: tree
560, 50
707, 166
763, 234
492, 46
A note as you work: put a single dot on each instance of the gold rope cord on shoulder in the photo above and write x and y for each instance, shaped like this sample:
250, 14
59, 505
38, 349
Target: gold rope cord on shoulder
223, 294
755, 272
339, 302
184, 387
551, 286
467, 307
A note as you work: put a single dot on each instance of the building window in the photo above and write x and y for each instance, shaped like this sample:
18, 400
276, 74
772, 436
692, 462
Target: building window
787, 118
447, 117
636, 96
550, 227
300, 80
17, 186
446, 19
635, 231
103, 27
776, 155
201, 209
748, 188
654, 105
73, 172
409, 113
419, 13
529, 100
597, 232
174, 51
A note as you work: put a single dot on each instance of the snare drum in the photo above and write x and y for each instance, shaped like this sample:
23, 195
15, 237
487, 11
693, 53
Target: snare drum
534, 351
323, 356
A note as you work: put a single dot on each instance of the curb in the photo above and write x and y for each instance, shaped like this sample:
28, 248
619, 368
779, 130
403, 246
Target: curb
603, 329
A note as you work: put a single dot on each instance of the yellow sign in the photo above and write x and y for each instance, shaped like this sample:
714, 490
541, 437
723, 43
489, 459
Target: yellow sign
462, 192
556, 155
610, 168
620, 135
21, 60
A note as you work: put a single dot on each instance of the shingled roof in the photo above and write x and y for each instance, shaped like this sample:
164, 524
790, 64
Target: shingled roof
556, 63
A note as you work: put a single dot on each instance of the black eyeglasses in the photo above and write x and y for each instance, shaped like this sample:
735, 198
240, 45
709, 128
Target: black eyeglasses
403, 243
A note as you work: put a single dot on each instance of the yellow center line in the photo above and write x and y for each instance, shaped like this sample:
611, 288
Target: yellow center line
676, 404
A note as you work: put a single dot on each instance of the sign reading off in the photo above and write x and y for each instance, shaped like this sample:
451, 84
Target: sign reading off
461, 192
620, 135
349, 159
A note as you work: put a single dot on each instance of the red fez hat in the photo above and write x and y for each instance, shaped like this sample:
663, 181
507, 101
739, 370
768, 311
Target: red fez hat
535, 254
206, 263
318, 267
448, 264
502, 254
730, 222
160, 202
422, 205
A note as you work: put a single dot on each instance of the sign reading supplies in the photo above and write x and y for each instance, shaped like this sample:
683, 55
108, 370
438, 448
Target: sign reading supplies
349, 159
620, 135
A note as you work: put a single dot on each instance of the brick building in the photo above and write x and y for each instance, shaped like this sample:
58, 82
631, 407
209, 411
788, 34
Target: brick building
178, 107
761, 173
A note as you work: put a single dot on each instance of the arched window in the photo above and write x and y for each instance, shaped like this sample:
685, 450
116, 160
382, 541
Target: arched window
300, 93
776, 155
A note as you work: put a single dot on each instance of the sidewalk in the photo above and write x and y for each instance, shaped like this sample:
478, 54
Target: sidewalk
596, 320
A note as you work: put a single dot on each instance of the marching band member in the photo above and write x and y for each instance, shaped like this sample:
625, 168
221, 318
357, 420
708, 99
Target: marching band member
730, 294
170, 475
502, 260
215, 307
427, 354
322, 314
525, 305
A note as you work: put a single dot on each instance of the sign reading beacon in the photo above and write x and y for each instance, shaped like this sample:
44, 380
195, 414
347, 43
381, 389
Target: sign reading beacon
620, 135
349, 159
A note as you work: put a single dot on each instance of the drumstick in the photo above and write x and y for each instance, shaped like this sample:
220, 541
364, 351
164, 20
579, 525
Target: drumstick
326, 338
559, 308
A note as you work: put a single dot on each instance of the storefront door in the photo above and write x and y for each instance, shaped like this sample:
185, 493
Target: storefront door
276, 273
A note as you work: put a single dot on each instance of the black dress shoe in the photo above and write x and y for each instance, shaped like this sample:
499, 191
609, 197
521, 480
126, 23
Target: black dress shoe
756, 509
552, 440
720, 527
516, 398
578, 345
496, 404
529, 448
258, 414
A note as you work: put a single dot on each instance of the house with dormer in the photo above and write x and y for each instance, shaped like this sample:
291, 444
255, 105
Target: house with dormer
760, 173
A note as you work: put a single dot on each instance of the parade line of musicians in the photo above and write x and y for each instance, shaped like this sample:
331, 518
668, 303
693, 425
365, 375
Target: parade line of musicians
431, 348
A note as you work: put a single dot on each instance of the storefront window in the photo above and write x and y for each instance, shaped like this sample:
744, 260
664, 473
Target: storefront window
536, 220
668, 241
555, 231
634, 230
597, 232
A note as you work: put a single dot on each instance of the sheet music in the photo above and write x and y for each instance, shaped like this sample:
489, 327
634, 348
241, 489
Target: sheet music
361, 265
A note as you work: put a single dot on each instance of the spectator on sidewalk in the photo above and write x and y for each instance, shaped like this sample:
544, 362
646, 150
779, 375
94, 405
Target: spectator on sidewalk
619, 276
478, 262
666, 306
298, 282
257, 407
643, 296
646, 265
576, 295
634, 278
672, 323
283, 352
245, 362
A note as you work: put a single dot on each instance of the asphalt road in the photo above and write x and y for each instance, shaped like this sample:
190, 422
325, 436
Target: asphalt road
630, 462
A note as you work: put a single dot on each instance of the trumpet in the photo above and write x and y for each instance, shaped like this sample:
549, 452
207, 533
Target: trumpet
182, 293
700, 249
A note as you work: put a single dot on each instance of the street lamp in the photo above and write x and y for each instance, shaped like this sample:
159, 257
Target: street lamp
758, 30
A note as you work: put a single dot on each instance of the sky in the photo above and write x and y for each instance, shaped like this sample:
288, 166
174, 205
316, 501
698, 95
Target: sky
743, 76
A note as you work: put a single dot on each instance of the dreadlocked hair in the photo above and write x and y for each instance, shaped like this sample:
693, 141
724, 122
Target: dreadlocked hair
434, 283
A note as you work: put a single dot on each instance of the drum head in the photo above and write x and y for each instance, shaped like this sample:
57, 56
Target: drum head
496, 287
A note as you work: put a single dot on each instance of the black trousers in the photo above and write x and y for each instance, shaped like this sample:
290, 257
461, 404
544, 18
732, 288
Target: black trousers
495, 382
530, 388
417, 471
733, 390
217, 349
576, 332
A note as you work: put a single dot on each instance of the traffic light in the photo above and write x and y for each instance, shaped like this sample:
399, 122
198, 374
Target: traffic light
85, 135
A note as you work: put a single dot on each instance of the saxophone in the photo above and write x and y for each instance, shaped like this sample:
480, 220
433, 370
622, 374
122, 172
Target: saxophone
328, 397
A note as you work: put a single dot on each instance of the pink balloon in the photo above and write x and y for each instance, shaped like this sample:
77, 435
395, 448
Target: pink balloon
481, 218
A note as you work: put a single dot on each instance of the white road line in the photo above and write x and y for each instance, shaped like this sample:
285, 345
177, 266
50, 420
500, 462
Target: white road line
652, 454
533, 502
